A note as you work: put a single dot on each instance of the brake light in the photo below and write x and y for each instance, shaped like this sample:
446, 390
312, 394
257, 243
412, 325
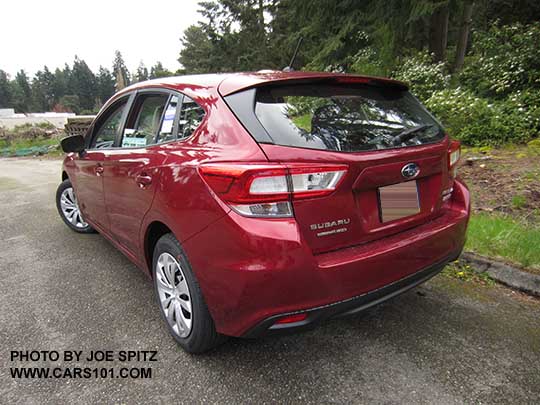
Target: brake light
352, 79
266, 190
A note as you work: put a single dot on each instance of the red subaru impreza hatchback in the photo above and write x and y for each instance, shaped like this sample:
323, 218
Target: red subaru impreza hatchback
263, 203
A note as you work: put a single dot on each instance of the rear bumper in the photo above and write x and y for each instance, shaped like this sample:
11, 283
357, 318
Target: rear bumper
349, 306
252, 272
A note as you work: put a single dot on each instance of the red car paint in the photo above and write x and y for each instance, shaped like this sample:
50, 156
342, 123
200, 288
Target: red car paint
250, 269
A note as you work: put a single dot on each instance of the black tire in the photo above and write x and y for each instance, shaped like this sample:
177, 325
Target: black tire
202, 336
66, 184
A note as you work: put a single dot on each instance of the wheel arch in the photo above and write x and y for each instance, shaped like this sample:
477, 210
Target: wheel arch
154, 231
64, 175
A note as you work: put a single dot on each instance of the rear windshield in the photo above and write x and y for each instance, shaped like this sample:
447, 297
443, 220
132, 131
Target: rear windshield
347, 118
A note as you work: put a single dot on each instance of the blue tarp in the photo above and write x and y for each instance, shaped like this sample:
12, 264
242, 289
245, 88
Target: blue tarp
33, 150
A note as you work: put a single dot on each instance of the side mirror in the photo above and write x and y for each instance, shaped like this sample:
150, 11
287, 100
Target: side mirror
74, 143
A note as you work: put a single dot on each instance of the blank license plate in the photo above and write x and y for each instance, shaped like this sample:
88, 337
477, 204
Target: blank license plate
399, 201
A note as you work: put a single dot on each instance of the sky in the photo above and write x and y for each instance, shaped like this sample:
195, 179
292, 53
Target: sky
34, 33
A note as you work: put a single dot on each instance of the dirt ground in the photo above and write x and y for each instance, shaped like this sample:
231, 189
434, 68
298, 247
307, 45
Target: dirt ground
504, 180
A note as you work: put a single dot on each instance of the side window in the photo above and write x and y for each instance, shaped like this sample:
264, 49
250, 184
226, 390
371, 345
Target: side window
106, 130
166, 132
191, 115
144, 120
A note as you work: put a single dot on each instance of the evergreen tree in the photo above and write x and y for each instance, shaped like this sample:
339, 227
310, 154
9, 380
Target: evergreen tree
61, 83
22, 92
43, 91
217, 45
120, 71
142, 73
84, 83
198, 51
159, 71
5, 90
105, 84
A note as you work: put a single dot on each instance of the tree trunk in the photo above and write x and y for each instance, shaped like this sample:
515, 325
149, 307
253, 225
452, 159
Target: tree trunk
438, 33
463, 37
261, 16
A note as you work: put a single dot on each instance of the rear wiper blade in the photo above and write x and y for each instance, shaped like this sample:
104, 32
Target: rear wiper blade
409, 133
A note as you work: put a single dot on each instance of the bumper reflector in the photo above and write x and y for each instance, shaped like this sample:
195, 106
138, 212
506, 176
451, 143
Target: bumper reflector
291, 319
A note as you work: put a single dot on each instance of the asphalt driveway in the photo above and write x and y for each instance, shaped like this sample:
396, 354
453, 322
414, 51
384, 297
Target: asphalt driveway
445, 342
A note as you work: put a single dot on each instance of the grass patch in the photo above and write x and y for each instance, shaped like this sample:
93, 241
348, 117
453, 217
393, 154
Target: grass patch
532, 175
519, 201
465, 272
496, 235
12, 147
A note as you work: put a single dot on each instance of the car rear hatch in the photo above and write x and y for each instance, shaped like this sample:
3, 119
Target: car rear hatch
390, 155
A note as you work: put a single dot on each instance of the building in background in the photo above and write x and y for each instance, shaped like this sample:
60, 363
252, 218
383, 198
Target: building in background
9, 119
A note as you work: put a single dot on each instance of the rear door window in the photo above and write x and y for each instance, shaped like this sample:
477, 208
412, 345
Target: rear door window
144, 120
347, 118
166, 131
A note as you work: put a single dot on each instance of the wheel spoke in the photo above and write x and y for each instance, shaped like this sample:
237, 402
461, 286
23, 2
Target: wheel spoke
169, 270
163, 284
66, 202
74, 217
186, 304
80, 220
170, 315
166, 302
183, 288
70, 195
180, 318
70, 214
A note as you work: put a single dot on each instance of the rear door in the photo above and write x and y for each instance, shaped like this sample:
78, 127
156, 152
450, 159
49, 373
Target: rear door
395, 151
133, 168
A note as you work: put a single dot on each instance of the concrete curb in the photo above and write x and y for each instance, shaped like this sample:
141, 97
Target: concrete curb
504, 273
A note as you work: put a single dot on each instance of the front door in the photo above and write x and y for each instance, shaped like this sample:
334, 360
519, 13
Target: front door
91, 165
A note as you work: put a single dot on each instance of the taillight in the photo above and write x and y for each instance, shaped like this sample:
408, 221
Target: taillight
266, 190
454, 153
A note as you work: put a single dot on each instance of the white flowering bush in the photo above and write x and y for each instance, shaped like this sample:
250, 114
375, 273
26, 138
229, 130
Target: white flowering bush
478, 121
423, 76
503, 60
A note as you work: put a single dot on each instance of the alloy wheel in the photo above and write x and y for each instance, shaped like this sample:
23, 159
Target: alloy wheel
174, 295
70, 208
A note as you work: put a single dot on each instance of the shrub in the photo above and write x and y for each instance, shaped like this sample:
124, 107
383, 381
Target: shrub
423, 76
29, 132
504, 59
478, 121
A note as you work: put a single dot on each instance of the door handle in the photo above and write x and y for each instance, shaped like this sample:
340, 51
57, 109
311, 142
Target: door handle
99, 169
143, 179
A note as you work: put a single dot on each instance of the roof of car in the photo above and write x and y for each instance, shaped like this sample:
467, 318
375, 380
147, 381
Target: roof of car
228, 83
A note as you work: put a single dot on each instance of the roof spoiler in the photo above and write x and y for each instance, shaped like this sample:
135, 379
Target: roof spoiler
237, 83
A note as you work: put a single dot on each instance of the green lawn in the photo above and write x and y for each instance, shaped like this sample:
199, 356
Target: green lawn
496, 235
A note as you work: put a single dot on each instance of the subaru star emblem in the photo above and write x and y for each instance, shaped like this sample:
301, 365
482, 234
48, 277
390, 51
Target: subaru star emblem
410, 170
